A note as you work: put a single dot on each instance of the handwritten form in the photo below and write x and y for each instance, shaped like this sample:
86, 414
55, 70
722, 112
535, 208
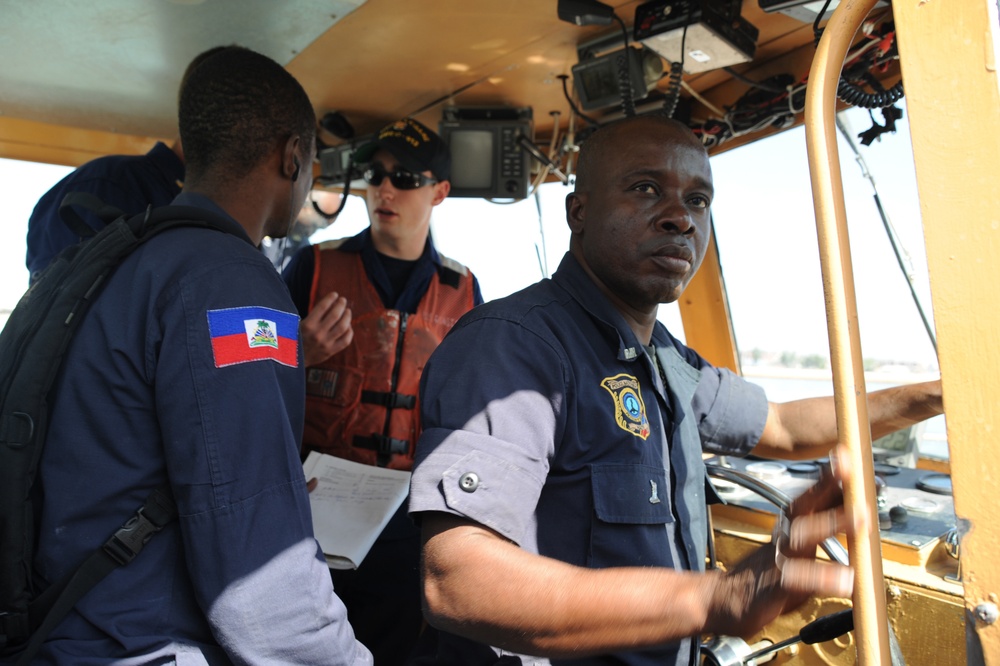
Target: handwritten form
351, 505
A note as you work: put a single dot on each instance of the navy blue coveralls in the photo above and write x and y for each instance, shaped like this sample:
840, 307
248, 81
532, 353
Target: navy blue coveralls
579, 451
187, 370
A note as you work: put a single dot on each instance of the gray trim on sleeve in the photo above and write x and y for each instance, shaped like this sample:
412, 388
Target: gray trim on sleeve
460, 474
736, 414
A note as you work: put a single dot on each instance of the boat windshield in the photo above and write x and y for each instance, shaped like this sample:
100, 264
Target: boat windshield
766, 233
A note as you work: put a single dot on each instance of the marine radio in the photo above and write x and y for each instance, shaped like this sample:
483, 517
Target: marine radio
487, 159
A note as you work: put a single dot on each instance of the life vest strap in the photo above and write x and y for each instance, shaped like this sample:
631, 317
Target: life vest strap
382, 444
389, 400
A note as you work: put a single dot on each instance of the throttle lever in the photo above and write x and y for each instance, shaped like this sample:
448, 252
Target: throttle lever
819, 630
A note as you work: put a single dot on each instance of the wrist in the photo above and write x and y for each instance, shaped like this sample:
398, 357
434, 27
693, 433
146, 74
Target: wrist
718, 594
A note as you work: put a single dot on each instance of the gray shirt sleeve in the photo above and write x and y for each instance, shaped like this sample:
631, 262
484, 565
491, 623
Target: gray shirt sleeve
491, 420
731, 412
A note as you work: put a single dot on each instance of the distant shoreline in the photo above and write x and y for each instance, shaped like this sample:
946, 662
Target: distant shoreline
901, 376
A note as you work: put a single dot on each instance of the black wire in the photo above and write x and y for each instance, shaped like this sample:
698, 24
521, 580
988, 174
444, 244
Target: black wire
756, 84
330, 216
673, 93
684, 36
572, 104
816, 31
625, 38
624, 73
445, 98
856, 96
343, 198
849, 88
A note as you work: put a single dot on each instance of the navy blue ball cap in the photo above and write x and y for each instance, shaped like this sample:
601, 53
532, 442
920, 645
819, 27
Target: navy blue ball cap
417, 148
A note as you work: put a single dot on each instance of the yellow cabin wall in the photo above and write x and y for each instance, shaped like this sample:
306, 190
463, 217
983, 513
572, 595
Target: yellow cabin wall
32, 141
948, 52
705, 314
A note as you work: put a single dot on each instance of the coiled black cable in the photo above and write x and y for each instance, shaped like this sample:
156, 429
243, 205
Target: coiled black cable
853, 94
624, 73
625, 84
673, 94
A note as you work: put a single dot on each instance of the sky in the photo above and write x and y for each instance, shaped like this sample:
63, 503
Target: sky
765, 229
775, 289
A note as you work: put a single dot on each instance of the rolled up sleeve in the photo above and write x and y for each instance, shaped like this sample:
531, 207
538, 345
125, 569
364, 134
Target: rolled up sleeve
462, 477
731, 412
490, 422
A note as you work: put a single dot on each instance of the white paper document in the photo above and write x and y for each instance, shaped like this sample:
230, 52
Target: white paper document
351, 505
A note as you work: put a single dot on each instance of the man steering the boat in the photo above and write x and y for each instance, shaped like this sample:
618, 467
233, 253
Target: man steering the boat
559, 479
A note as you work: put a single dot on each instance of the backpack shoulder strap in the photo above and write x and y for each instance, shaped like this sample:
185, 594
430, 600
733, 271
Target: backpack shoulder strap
67, 212
48, 610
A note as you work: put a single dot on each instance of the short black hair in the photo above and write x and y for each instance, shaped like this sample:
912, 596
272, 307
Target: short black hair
197, 60
235, 108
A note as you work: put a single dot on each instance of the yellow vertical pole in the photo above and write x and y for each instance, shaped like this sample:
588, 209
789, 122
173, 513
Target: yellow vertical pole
870, 621
948, 53
705, 314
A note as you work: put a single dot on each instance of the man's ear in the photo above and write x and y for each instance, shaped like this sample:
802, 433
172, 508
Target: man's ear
441, 191
291, 165
575, 211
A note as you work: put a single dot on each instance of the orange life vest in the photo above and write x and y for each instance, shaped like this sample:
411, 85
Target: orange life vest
362, 403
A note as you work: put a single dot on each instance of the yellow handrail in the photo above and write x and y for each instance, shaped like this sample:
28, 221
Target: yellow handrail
870, 621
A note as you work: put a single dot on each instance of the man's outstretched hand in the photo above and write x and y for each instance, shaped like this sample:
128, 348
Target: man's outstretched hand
781, 575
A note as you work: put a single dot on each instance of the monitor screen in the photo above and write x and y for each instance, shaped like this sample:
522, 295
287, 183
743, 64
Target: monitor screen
471, 158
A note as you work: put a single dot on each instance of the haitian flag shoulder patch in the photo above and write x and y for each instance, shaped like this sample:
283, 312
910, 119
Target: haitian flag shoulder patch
254, 333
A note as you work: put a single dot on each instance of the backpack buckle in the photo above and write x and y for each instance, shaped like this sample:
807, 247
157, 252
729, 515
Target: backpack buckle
126, 543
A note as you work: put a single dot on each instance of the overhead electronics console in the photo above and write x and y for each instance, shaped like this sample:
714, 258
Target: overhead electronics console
713, 33
488, 158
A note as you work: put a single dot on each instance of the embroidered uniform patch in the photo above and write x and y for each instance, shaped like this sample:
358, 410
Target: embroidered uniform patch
254, 333
630, 411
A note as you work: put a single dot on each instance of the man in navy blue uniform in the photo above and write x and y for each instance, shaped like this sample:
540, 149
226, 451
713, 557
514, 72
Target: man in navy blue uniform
187, 371
127, 182
559, 478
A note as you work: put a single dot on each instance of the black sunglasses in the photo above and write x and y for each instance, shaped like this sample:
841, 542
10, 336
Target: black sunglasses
400, 178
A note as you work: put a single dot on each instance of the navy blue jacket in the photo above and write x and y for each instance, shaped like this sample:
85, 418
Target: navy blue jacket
187, 370
128, 182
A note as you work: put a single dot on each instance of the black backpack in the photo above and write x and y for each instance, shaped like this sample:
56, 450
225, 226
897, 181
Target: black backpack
32, 346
